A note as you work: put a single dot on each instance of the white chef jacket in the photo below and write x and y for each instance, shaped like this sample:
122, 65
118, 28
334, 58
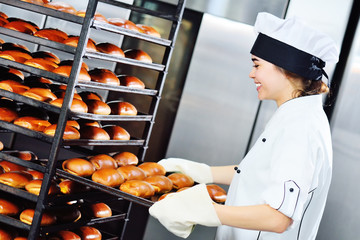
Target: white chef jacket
289, 167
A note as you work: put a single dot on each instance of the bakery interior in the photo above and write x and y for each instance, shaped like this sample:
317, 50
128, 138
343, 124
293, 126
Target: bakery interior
191, 98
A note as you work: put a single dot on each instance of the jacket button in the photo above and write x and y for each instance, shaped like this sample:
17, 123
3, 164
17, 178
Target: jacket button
238, 171
264, 139
291, 189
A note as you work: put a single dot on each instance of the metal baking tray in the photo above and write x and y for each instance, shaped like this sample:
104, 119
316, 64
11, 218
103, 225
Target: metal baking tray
90, 142
18, 192
14, 222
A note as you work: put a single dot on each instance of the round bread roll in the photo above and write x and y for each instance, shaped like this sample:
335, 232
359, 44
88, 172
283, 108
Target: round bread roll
78, 166
24, 155
8, 208
6, 56
27, 216
117, 132
70, 187
10, 167
40, 94
61, 6
32, 123
17, 73
40, 63
181, 180
65, 70
138, 188
5, 235
14, 46
69, 132
52, 34
21, 26
76, 105
65, 235
95, 133
17, 87
36, 174
161, 184
74, 40
152, 168
19, 56
216, 193
73, 123
101, 161
97, 16
70, 62
61, 94
89, 233
47, 56
100, 210
86, 95
108, 176
122, 108
87, 122
126, 158
8, 115
131, 81
105, 76
37, 2
138, 54
97, 107
6, 87
15, 179
110, 48
120, 22
34, 187
149, 30
131, 172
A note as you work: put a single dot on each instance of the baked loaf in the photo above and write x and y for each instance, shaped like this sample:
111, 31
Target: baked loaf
131, 81
97, 16
216, 193
108, 177
139, 55
70, 62
24, 155
126, 158
76, 105
69, 187
181, 180
138, 188
65, 70
95, 133
36, 174
17, 87
34, 187
100, 210
8, 208
22, 26
110, 48
32, 123
67, 214
7, 114
105, 76
89, 233
10, 167
61, 6
19, 55
52, 34
74, 40
131, 172
69, 132
120, 22
40, 94
47, 56
122, 108
161, 184
78, 166
97, 107
149, 30
152, 168
41, 63
65, 235
27, 216
117, 132
101, 161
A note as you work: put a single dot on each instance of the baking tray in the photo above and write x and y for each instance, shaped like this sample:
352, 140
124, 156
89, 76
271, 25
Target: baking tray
18, 192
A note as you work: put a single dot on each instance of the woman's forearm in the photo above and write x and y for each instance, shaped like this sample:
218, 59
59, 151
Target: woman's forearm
223, 174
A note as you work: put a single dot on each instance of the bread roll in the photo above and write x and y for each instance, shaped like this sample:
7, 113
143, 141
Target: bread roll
101, 161
152, 168
89, 233
149, 30
161, 184
15, 46
105, 76
17, 73
6, 87
216, 193
70, 187
7, 115
126, 158
131, 81
138, 54
10, 167
15, 179
131, 172
21, 26
8, 208
74, 40
73, 123
65, 235
52, 34
117, 132
120, 22
5, 235
138, 188
97, 16
108, 176
19, 56
87, 95
27, 215
110, 48
65, 71
95, 133
17, 87
36, 174
32, 123
100, 210
47, 55
122, 108
76, 105
61, 94
87, 122
181, 180
78, 166
7, 56
71, 62
24, 155
40, 94
69, 132
40, 63
61, 6
34, 187
98, 107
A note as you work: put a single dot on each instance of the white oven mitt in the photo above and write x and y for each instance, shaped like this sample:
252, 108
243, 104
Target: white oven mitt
180, 212
199, 172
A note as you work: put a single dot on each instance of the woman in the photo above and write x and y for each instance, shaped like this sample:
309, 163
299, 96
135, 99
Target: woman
279, 189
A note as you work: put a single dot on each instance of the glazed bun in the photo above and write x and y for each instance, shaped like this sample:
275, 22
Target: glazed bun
6, 87
131, 81
17, 87
152, 168
69, 132
97, 107
10, 167
47, 56
19, 55
73, 123
131, 172
8, 208
216, 193
70, 187
89, 233
7, 114
161, 184
108, 176
24, 155
110, 48
65, 70
95, 133
87, 122
41, 63
149, 30
76, 105
101, 161
120, 22
36, 174
61, 6
126, 158
65, 235
117, 132
34, 187
40, 94
100, 210
138, 188
138, 54
181, 180
78, 166
52, 34
17, 73
97, 16
15, 179
61, 94
22, 26
122, 108
87, 95
27, 215
74, 40
105, 76
32, 123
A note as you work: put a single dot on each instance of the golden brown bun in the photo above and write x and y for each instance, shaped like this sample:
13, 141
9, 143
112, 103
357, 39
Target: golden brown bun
61, 94
122, 108
21, 26
65, 71
41, 64
101, 161
74, 40
36, 174
17, 73
131, 172
15, 179
40, 94
34, 187
17, 87
7, 114
95, 133
105, 76
69, 132
117, 132
76, 105
161, 184
138, 54
97, 107
10, 167
181, 180
66, 235
70, 63
152, 168
70, 187
32, 123
138, 188
8, 208
6, 87
108, 176
19, 56
24, 155
89, 233
27, 215
149, 30
120, 22
61, 6
52, 34
126, 158
47, 56
6, 56
110, 48
97, 16
91, 123
78, 166
15, 46
73, 123
131, 81
5, 235
216, 193
90, 96
100, 210
3, 15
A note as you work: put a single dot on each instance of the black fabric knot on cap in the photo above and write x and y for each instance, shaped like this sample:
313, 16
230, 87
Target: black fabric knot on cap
237, 169
317, 66
264, 139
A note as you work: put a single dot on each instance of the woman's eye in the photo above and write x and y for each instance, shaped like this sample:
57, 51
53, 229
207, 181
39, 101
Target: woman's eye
255, 66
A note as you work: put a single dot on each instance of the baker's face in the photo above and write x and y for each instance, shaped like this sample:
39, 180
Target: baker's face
271, 83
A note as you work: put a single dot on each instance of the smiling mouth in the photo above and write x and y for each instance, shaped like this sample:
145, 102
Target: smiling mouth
258, 86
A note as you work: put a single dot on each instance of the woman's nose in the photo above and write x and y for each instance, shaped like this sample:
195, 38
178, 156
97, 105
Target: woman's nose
252, 73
